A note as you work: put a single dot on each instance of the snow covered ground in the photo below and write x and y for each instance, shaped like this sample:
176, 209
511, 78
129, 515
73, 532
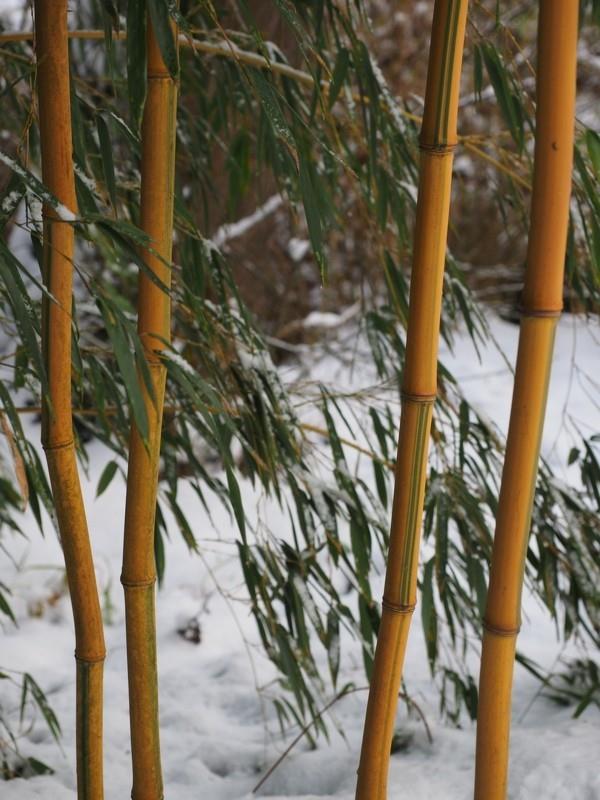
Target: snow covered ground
218, 737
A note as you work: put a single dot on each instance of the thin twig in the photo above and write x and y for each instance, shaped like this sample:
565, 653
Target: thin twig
344, 693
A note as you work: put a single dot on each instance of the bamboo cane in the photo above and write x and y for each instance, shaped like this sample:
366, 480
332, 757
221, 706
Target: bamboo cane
154, 309
419, 385
52, 56
542, 304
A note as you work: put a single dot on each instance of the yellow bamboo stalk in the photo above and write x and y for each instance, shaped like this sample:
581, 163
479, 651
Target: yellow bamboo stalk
419, 386
542, 304
154, 311
52, 54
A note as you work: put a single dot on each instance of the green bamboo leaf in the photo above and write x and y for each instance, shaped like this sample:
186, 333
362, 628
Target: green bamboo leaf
508, 102
380, 432
477, 71
127, 367
272, 108
5, 605
235, 498
38, 188
108, 166
428, 612
592, 140
313, 213
367, 631
595, 244
130, 134
112, 12
77, 127
340, 71
159, 545
31, 687
290, 666
38, 767
476, 577
136, 60
24, 315
380, 482
161, 25
183, 524
589, 184
333, 644
108, 473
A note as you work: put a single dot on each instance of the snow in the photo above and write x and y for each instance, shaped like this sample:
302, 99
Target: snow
298, 248
329, 319
234, 230
219, 736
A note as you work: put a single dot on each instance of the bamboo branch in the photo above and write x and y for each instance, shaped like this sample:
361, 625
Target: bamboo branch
302, 733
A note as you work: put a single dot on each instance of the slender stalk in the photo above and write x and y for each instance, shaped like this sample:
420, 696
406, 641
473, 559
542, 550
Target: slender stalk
437, 142
542, 304
52, 53
154, 310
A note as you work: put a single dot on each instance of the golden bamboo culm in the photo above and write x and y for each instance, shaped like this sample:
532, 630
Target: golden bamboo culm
52, 57
419, 386
542, 304
154, 309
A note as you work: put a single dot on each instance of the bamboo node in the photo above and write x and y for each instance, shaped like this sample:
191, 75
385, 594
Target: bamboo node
507, 632
137, 584
133, 797
439, 148
425, 399
160, 76
90, 659
540, 312
50, 448
397, 608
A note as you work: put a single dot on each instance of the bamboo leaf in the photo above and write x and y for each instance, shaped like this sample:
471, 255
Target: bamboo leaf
17, 459
5, 605
38, 767
159, 545
477, 71
23, 312
108, 473
183, 524
108, 166
30, 687
313, 213
163, 30
592, 140
333, 644
428, 612
235, 499
38, 188
272, 108
508, 102
136, 60
127, 368
340, 71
